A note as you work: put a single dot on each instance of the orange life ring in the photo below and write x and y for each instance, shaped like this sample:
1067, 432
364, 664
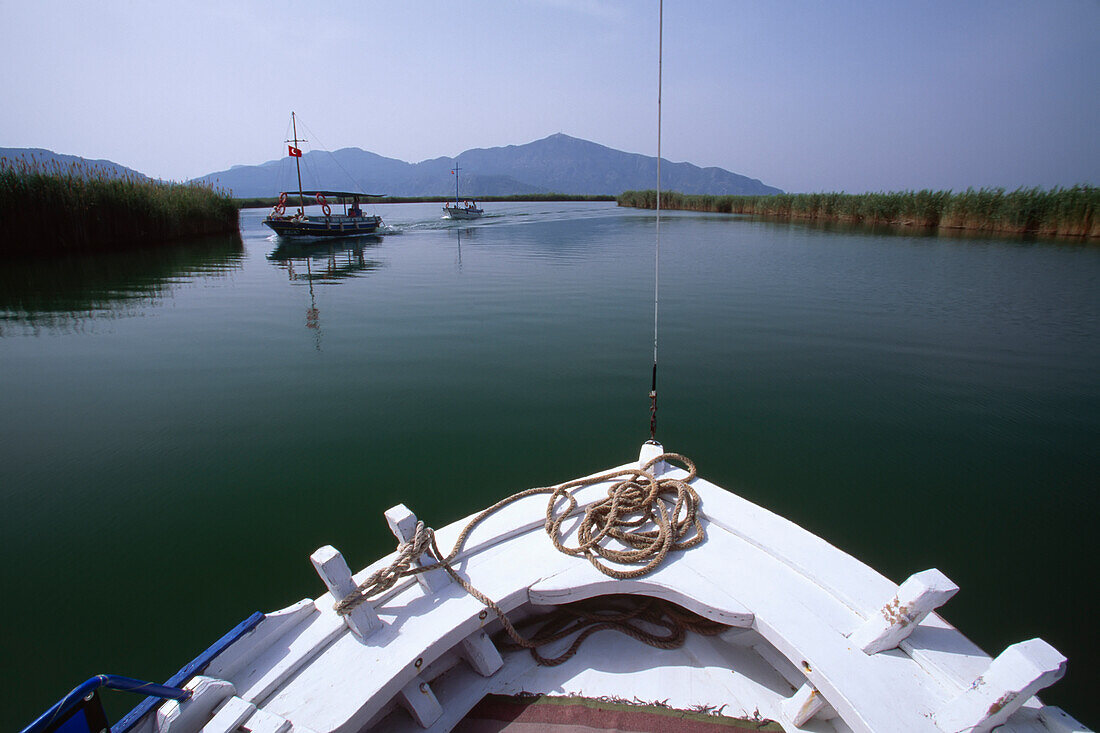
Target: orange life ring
280, 208
324, 204
282, 200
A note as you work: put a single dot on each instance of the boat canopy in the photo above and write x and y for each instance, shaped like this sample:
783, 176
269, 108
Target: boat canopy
339, 194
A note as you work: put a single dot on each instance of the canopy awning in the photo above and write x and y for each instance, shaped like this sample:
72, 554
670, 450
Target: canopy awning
339, 194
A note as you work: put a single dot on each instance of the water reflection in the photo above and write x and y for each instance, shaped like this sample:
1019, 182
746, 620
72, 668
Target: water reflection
64, 293
469, 232
331, 262
325, 260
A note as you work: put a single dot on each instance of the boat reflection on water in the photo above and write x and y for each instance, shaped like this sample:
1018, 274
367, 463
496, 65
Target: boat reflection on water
65, 293
323, 261
468, 232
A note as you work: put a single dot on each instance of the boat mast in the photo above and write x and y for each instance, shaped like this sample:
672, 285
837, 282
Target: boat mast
657, 248
457, 169
298, 165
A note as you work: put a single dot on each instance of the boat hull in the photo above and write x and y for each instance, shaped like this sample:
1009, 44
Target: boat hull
801, 620
324, 226
463, 213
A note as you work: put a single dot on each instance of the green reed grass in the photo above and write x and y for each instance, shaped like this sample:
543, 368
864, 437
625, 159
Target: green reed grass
47, 207
1067, 212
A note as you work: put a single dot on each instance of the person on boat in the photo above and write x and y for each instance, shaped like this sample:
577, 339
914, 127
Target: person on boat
355, 210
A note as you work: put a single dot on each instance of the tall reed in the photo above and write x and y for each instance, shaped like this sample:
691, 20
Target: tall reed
47, 207
1067, 212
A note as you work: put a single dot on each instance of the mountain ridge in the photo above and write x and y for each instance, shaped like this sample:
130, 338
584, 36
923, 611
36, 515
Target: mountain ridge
43, 158
557, 163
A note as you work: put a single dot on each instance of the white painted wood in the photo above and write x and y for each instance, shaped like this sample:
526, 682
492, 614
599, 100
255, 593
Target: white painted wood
478, 649
801, 596
1057, 720
914, 600
1034, 717
417, 697
673, 582
803, 705
518, 518
1013, 677
841, 575
504, 571
705, 672
191, 714
295, 649
269, 631
428, 626
334, 571
792, 674
801, 622
461, 688
229, 716
650, 450
264, 722
418, 627
948, 656
403, 525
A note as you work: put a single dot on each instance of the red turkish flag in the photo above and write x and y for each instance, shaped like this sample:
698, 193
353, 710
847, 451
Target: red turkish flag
294, 152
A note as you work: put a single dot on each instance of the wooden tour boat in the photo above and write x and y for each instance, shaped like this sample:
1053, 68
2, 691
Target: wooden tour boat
351, 222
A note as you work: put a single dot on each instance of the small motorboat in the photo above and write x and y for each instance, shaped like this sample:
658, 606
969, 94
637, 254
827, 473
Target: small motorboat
463, 210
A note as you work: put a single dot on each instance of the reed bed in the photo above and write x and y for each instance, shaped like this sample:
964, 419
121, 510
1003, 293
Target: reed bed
47, 207
1063, 212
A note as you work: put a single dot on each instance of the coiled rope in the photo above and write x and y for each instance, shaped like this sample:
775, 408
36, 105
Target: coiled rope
620, 613
636, 513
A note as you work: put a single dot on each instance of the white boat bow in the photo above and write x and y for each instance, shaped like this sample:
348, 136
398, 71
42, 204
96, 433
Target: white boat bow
816, 640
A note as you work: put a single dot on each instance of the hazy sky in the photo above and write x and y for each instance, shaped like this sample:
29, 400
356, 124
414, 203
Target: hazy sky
805, 96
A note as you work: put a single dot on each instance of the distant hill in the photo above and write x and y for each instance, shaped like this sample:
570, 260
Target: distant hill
556, 164
47, 158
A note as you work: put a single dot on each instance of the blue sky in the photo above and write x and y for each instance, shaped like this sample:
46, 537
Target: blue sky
806, 96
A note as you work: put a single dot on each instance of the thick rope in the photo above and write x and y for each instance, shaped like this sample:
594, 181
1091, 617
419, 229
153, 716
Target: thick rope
621, 613
636, 501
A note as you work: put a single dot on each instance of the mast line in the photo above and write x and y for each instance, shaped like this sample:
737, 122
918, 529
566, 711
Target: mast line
657, 248
298, 165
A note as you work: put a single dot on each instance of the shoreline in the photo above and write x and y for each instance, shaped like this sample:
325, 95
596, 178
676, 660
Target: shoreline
1059, 212
258, 202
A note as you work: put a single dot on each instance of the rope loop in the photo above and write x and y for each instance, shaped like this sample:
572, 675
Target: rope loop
648, 515
638, 501
640, 617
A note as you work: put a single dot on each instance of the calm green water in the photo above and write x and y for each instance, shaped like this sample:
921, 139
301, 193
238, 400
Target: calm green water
180, 431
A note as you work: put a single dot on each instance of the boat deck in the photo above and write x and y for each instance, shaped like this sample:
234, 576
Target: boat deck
799, 611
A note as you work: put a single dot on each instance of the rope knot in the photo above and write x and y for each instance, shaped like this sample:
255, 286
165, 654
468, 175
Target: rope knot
648, 515
422, 541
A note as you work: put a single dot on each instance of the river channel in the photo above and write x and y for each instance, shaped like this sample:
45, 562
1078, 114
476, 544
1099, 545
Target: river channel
180, 430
